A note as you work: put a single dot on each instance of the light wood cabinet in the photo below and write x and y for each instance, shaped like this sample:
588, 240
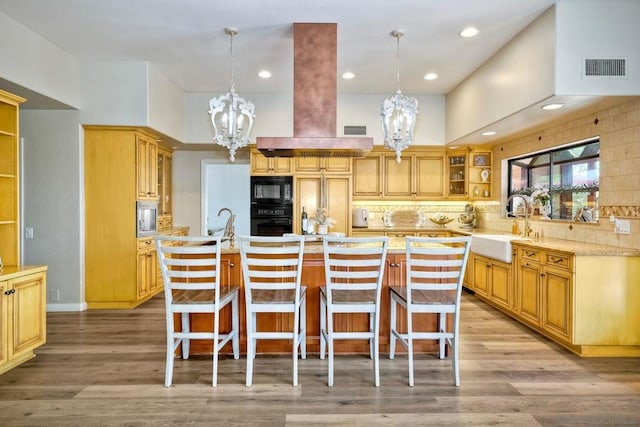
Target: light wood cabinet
479, 174
261, 165
9, 179
419, 175
113, 269
322, 165
22, 314
457, 174
330, 191
492, 280
367, 177
147, 167
164, 175
147, 268
546, 290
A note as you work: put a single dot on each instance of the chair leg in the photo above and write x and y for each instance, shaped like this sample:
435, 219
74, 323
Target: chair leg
330, 345
323, 326
442, 326
392, 328
250, 348
410, 346
235, 326
185, 341
371, 340
216, 348
456, 352
168, 370
376, 347
303, 328
296, 344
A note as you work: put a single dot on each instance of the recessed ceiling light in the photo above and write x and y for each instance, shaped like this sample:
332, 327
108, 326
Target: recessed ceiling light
265, 74
348, 75
430, 76
552, 106
489, 133
469, 32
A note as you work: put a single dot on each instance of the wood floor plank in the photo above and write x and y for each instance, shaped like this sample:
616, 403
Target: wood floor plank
310, 420
106, 367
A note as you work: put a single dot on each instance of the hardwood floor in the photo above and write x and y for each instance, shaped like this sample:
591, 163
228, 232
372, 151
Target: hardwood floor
107, 368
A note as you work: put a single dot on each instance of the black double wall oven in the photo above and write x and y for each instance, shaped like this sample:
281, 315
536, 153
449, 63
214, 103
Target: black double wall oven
271, 205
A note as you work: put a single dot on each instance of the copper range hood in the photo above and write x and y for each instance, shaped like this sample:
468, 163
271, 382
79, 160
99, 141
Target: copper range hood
314, 100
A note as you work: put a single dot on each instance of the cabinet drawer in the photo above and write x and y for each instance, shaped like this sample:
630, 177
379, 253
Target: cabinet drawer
558, 260
531, 254
145, 244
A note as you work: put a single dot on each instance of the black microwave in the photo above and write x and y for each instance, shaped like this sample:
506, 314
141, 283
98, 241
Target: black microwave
271, 190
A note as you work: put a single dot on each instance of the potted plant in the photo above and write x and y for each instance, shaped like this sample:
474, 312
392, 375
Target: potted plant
323, 220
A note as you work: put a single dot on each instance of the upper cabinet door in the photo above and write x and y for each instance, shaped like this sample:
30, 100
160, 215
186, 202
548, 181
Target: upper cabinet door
429, 176
367, 175
398, 181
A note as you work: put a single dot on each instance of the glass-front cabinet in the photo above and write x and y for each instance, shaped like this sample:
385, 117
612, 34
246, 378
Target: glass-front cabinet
457, 174
164, 189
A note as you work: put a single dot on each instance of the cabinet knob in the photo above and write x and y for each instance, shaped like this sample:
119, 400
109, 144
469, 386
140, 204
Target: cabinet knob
10, 291
232, 265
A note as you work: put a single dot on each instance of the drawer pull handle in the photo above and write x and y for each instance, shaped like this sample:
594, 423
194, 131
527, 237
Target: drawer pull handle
528, 253
556, 260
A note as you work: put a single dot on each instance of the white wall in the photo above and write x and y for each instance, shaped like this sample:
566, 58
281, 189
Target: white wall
114, 93
165, 105
35, 63
517, 76
274, 115
354, 110
597, 30
53, 202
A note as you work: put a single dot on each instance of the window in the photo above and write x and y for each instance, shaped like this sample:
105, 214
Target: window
571, 175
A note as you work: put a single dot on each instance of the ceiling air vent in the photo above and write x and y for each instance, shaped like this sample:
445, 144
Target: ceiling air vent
605, 67
355, 130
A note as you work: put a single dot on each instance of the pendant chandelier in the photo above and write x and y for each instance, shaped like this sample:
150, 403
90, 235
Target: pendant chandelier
398, 112
231, 115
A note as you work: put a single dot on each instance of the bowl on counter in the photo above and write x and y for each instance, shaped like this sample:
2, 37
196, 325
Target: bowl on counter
441, 221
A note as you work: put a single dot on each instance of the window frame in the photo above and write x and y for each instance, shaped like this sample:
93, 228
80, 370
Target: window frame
594, 188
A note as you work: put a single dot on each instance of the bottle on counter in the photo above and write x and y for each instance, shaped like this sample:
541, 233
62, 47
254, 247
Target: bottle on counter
305, 221
514, 227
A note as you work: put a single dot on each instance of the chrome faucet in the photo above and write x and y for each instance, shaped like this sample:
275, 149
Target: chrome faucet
229, 229
527, 229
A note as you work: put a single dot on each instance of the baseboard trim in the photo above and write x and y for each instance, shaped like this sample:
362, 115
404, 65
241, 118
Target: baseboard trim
54, 307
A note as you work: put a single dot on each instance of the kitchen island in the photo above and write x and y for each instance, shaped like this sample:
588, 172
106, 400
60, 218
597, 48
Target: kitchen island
313, 279
586, 297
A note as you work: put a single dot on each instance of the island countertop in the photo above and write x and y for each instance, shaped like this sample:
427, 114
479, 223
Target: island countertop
397, 242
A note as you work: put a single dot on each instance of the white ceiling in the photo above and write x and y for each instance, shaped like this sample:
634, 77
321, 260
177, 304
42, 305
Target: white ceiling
185, 39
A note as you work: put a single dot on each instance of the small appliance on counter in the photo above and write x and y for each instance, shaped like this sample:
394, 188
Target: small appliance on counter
468, 217
359, 218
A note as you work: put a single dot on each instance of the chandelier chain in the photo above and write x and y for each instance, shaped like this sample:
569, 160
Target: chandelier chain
232, 32
398, 35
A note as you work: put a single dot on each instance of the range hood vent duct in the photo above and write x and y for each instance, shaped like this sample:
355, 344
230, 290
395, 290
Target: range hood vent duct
315, 62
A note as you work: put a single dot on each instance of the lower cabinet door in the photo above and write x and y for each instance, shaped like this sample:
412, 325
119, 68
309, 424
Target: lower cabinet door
529, 292
27, 328
557, 300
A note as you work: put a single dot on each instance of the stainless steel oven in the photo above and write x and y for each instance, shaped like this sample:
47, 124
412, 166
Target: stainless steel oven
146, 218
273, 220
